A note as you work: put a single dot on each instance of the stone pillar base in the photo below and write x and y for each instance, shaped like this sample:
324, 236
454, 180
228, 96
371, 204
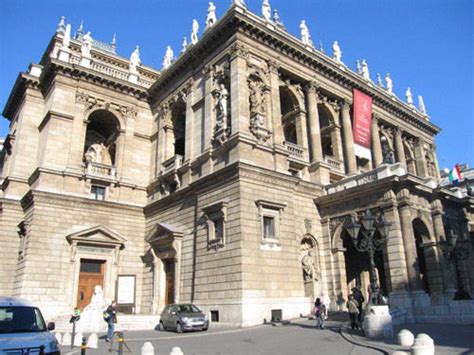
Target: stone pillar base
378, 322
319, 172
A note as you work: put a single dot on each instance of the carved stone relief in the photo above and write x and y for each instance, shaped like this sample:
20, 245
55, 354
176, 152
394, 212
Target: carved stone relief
258, 93
221, 94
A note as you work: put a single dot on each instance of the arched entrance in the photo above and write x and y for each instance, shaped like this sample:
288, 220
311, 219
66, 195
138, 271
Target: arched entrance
422, 235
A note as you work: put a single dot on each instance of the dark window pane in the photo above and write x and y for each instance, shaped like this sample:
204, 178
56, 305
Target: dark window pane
91, 266
269, 227
219, 228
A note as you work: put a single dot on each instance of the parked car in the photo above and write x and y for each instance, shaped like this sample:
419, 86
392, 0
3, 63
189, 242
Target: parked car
23, 329
181, 317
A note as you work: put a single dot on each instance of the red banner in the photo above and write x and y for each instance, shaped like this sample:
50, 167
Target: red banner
361, 124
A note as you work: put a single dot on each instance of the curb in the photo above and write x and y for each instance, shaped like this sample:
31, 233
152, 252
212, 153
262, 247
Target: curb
351, 340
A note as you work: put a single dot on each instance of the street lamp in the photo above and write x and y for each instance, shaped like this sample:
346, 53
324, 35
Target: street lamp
365, 240
454, 251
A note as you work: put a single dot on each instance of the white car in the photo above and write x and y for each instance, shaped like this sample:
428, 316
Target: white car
23, 330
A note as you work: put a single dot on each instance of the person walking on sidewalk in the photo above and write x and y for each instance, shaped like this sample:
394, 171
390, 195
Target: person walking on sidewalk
353, 308
110, 316
359, 297
320, 313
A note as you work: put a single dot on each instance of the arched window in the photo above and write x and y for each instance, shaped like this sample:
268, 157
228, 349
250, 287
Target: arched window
179, 127
289, 110
325, 127
103, 130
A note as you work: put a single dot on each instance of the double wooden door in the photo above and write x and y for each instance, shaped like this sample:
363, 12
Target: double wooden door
91, 274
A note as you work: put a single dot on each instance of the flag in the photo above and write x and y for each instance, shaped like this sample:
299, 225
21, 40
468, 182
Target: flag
455, 174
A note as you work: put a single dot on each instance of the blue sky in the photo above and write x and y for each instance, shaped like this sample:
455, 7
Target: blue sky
424, 44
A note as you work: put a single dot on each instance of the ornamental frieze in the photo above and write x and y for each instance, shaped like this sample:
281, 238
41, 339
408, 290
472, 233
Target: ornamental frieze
92, 102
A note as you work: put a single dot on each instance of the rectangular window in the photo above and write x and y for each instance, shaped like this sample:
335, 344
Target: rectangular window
268, 227
219, 229
215, 316
98, 193
91, 266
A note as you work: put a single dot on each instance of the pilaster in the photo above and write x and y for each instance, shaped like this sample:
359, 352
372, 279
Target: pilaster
316, 150
399, 147
239, 96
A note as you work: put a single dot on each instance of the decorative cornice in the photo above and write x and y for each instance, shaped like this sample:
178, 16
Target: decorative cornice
23, 82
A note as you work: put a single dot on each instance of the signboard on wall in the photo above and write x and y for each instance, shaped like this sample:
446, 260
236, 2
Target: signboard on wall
126, 290
361, 124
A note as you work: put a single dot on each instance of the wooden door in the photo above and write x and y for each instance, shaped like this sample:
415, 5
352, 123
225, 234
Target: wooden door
169, 271
91, 274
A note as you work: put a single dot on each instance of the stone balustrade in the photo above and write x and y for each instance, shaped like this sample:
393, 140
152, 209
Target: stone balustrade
100, 170
172, 163
295, 150
334, 163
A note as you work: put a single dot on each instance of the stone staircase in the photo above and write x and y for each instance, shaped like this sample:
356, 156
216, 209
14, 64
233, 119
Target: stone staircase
125, 322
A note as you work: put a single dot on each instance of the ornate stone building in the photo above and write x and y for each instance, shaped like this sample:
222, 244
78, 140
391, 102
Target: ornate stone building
226, 180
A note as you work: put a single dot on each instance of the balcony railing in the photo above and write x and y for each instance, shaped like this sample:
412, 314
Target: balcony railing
295, 150
172, 163
334, 163
101, 170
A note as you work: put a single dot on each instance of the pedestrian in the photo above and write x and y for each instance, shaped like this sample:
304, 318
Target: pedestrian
320, 313
353, 308
359, 297
110, 316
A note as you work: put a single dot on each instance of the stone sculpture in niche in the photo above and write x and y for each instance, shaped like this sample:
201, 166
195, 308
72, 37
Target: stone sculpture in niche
98, 153
257, 101
222, 104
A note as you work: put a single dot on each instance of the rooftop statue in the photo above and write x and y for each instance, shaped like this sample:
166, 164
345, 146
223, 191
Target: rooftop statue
135, 60
409, 96
389, 83
365, 70
184, 46
194, 32
337, 53
277, 20
86, 45
67, 36
266, 11
211, 15
379, 80
169, 57
421, 104
305, 36
359, 67
240, 3
61, 25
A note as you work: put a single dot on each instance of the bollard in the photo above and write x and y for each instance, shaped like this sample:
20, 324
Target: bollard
176, 351
148, 349
67, 339
423, 345
59, 338
405, 338
78, 339
93, 341
83, 346
120, 343
398, 352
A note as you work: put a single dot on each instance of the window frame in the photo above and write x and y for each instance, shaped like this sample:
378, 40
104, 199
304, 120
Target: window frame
273, 210
214, 214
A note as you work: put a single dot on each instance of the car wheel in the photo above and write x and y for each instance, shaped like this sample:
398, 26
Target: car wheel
161, 327
179, 328
204, 329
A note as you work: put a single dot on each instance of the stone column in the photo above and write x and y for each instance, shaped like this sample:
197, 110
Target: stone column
409, 241
316, 150
399, 147
188, 97
209, 108
447, 271
239, 96
348, 139
280, 155
376, 146
420, 158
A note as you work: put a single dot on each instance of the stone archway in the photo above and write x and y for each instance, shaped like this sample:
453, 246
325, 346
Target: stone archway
311, 266
422, 237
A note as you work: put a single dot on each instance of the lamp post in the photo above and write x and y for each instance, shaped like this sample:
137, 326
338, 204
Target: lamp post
363, 236
454, 251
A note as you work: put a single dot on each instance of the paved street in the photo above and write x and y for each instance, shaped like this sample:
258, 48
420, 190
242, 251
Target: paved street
299, 337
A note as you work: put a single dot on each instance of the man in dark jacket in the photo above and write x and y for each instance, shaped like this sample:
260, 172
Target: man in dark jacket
359, 297
111, 319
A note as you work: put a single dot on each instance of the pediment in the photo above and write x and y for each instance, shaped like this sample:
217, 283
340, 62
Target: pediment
100, 235
163, 231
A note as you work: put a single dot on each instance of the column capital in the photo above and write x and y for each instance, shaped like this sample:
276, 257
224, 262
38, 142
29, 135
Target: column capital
238, 50
273, 66
345, 104
398, 131
376, 118
311, 87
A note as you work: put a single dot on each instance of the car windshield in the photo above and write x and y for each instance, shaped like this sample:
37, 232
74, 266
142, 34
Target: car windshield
21, 320
188, 308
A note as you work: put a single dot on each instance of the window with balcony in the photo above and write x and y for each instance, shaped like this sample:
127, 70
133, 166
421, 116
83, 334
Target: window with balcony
103, 130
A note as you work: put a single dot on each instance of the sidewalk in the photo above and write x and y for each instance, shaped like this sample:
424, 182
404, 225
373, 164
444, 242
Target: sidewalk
448, 338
